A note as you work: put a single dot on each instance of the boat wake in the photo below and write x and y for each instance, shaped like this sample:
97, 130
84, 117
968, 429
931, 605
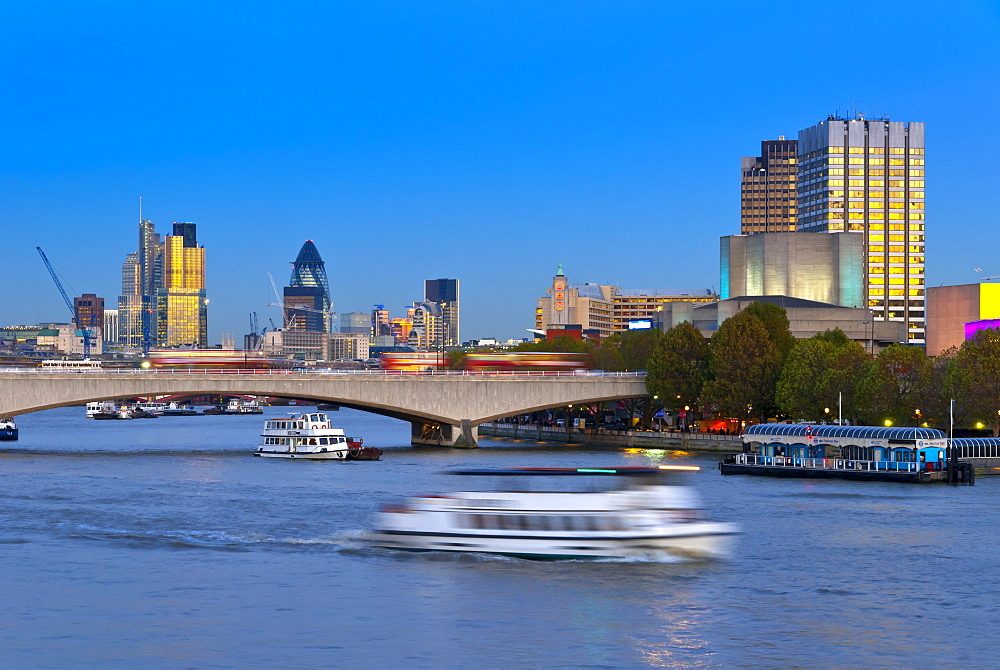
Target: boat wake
353, 540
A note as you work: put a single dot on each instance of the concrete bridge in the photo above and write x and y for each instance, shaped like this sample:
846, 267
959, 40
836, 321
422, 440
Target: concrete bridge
443, 409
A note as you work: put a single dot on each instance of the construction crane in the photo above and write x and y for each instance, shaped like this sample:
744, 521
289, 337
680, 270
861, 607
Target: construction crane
87, 332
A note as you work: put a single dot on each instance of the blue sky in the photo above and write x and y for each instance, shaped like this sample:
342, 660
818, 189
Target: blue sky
488, 141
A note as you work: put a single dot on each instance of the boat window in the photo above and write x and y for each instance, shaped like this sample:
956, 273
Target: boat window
312, 441
324, 440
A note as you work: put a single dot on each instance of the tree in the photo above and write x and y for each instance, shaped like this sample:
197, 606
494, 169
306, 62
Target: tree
819, 372
975, 377
775, 321
744, 364
890, 387
677, 366
627, 350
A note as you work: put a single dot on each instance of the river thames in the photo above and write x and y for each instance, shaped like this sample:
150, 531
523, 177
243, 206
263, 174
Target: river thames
164, 543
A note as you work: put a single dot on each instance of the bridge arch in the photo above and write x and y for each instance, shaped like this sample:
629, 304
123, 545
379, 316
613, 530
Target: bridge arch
453, 405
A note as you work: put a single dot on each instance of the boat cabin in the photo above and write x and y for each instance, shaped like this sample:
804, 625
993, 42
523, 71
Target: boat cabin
889, 447
314, 420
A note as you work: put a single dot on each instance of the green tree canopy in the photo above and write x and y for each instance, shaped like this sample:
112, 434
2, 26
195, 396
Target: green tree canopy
744, 365
775, 321
677, 366
891, 385
819, 372
975, 378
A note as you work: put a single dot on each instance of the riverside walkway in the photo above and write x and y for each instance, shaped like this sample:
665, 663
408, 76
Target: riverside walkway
443, 407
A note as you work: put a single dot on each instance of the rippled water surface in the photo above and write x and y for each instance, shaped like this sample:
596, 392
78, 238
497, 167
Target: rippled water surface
164, 543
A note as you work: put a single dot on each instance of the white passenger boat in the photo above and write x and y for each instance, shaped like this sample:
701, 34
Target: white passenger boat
303, 436
105, 409
237, 406
638, 514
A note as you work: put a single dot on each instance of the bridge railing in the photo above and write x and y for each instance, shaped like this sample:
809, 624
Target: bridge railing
327, 373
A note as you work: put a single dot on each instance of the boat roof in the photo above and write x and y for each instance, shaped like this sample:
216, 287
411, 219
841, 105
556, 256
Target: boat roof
976, 441
617, 471
862, 432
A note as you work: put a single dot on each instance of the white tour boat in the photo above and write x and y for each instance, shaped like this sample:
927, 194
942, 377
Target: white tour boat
8, 429
641, 516
305, 436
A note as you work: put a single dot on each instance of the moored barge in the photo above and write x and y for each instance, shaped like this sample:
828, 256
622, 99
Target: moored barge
862, 453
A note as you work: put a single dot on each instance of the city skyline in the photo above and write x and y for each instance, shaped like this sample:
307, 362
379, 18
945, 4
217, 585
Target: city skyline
485, 143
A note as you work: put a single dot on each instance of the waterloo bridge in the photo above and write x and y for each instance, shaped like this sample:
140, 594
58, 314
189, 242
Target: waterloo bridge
443, 408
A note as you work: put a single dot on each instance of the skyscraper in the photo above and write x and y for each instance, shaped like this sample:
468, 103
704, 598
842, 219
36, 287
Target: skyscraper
768, 188
307, 296
182, 306
445, 294
867, 175
130, 303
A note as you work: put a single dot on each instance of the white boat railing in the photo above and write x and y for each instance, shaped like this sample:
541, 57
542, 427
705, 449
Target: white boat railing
828, 463
327, 373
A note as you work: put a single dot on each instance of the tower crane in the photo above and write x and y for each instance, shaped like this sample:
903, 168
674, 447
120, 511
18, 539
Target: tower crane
87, 332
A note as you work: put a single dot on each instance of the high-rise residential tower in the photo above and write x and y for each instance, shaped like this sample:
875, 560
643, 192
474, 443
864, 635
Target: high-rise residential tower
867, 176
768, 188
445, 293
307, 296
182, 306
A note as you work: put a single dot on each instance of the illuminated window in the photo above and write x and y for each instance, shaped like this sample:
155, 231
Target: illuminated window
896, 291
895, 215
876, 150
875, 248
896, 271
836, 171
916, 194
876, 161
856, 215
856, 172
876, 291
835, 160
897, 226
856, 150
916, 161
857, 226
876, 194
836, 182
916, 226
856, 194
876, 182
897, 238
916, 173
915, 216
916, 152
835, 150
897, 161
896, 280
897, 173
916, 291
876, 215
896, 150
876, 238
896, 183
916, 205
856, 161
854, 182
877, 226
876, 172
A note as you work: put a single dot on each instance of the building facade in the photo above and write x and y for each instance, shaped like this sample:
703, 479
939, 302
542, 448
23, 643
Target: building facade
824, 268
307, 296
602, 309
356, 323
445, 293
768, 195
950, 308
867, 176
182, 305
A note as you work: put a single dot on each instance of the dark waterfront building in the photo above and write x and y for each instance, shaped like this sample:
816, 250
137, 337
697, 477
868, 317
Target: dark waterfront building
445, 294
88, 312
309, 290
768, 188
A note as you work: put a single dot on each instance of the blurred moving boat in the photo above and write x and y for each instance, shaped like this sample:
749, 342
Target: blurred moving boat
639, 514
8, 430
237, 406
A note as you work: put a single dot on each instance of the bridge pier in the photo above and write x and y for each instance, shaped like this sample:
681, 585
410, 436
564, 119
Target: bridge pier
464, 435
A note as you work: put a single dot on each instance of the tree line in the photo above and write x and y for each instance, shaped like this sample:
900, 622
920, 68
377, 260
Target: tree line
753, 369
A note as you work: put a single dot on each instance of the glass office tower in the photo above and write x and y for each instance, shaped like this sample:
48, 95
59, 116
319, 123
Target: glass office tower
867, 175
182, 306
309, 291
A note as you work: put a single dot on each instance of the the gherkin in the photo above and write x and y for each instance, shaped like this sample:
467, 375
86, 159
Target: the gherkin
308, 290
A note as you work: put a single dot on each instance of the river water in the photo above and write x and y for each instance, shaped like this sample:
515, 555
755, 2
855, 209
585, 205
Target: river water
164, 543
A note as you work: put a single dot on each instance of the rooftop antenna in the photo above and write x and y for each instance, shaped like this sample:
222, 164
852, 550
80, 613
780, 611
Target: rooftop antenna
140, 209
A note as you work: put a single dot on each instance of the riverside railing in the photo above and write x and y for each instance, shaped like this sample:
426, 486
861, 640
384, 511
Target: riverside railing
326, 373
827, 463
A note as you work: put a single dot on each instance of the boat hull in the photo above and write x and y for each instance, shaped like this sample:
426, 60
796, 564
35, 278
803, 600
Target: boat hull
8, 435
338, 455
819, 473
703, 541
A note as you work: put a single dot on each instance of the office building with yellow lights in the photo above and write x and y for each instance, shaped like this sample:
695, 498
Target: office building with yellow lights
181, 303
867, 176
768, 194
